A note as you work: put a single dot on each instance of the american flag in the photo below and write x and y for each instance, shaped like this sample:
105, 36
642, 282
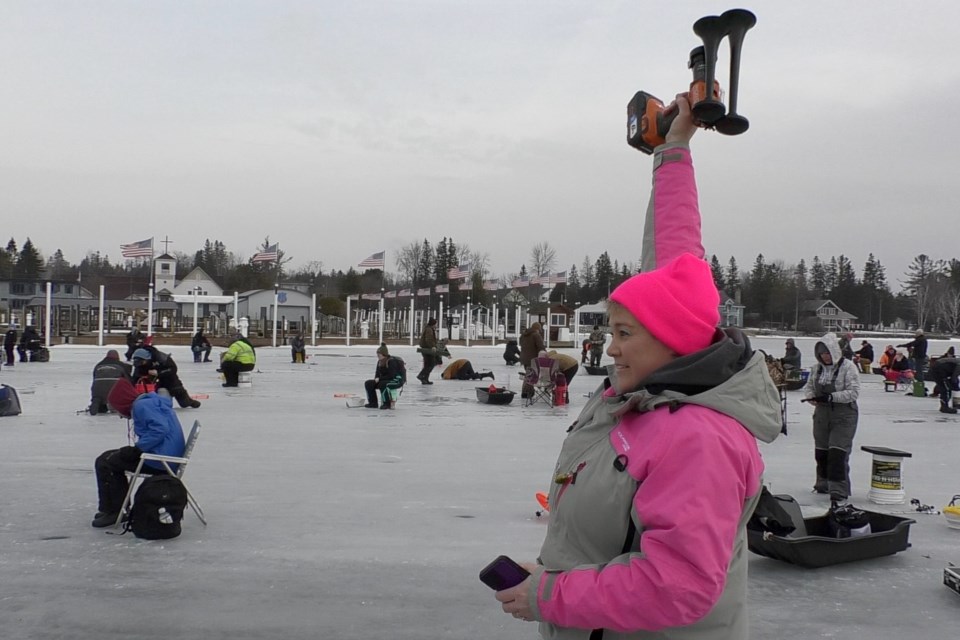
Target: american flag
355, 296
404, 293
423, 292
390, 294
371, 296
373, 262
559, 278
267, 255
442, 288
461, 272
491, 285
539, 279
142, 249
520, 282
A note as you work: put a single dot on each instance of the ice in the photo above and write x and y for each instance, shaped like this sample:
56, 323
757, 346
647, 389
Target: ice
336, 522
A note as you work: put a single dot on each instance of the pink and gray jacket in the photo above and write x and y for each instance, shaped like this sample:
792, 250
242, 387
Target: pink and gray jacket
653, 488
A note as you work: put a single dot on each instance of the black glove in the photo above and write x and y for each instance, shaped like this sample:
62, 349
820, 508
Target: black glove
827, 397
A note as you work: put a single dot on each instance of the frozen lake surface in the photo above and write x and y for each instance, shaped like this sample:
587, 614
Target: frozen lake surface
329, 522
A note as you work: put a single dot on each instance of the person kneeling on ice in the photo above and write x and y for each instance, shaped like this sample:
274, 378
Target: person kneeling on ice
156, 429
511, 353
462, 369
240, 356
167, 374
387, 380
105, 375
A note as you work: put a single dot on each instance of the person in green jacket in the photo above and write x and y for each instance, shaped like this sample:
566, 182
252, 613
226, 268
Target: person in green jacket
240, 356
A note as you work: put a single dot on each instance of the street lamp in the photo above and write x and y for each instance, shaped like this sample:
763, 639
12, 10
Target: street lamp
196, 294
276, 308
469, 320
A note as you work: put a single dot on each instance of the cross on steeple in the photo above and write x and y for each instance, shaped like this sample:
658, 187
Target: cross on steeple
166, 241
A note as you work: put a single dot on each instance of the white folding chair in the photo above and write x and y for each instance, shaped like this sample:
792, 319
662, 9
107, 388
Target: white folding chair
138, 473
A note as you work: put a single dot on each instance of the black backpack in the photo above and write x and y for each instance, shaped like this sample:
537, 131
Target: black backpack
158, 508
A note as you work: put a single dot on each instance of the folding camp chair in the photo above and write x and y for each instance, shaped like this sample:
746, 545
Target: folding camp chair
139, 474
541, 380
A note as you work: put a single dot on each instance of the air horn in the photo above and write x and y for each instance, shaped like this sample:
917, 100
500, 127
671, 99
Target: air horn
648, 121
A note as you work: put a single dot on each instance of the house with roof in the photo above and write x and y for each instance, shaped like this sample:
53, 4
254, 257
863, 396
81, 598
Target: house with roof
731, 312
831, 317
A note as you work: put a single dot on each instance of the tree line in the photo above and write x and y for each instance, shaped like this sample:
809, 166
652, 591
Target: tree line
774, 293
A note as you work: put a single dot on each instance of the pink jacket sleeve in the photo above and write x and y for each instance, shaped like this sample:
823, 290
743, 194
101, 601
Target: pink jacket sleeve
695, 477
672, 225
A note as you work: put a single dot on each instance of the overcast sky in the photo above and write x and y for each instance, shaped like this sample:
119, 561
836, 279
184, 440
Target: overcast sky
344, 128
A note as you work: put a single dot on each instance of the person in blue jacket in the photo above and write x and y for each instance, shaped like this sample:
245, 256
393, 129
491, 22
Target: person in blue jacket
156, 430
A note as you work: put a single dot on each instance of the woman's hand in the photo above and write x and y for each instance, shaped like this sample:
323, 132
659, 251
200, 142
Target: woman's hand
682, 128
514, 600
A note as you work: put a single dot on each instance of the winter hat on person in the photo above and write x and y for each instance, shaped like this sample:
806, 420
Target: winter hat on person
142, 354
148, 341
382, 350
121, 397
677, 303
113, 355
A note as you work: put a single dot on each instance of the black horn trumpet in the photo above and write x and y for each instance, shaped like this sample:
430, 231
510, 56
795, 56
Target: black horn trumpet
647, 120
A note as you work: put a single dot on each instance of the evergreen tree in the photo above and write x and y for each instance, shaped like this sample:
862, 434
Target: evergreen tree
800, 275
818, 277
425, 269
574, 291
588, 282
58, 267
830, 276
717, 270
29, 262
923, 276
732, 277
604, 275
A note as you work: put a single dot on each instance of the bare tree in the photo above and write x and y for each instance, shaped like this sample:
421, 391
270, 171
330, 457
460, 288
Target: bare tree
479, 263
409, 259
923, 277
542, 258
948, 306
463, 254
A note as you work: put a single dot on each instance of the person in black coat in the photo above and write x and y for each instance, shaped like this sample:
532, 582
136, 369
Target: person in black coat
10, 343
29, 341
864, 356
387, 376
511, 355
791, 356
134, 342
917, 350
944, 372
105, 375
167, 377
200, 344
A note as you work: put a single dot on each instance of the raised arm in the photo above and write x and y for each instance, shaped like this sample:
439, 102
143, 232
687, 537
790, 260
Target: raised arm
672, 224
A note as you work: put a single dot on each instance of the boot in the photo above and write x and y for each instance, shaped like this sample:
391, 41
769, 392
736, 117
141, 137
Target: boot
945, 408
838, 474
820, 486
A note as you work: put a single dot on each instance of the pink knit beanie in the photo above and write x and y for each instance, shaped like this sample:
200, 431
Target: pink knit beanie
677, 303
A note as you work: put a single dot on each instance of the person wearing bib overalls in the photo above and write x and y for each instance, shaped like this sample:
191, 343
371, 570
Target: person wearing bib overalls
833, 388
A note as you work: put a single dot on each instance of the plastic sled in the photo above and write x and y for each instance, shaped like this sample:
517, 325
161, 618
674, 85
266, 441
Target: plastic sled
812, 545
500, 395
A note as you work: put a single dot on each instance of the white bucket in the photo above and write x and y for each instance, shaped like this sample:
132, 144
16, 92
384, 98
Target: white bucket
886, 480
245, 379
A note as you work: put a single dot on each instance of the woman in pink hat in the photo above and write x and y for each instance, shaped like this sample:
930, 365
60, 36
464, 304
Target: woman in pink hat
661, 471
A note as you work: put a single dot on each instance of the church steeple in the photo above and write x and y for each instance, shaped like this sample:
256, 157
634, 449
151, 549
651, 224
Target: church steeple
164, 273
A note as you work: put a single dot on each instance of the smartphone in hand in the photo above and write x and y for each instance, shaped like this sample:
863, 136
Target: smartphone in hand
503, 573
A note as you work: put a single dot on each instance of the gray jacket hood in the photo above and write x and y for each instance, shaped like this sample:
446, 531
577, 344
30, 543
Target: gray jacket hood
832, 344
728, 376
